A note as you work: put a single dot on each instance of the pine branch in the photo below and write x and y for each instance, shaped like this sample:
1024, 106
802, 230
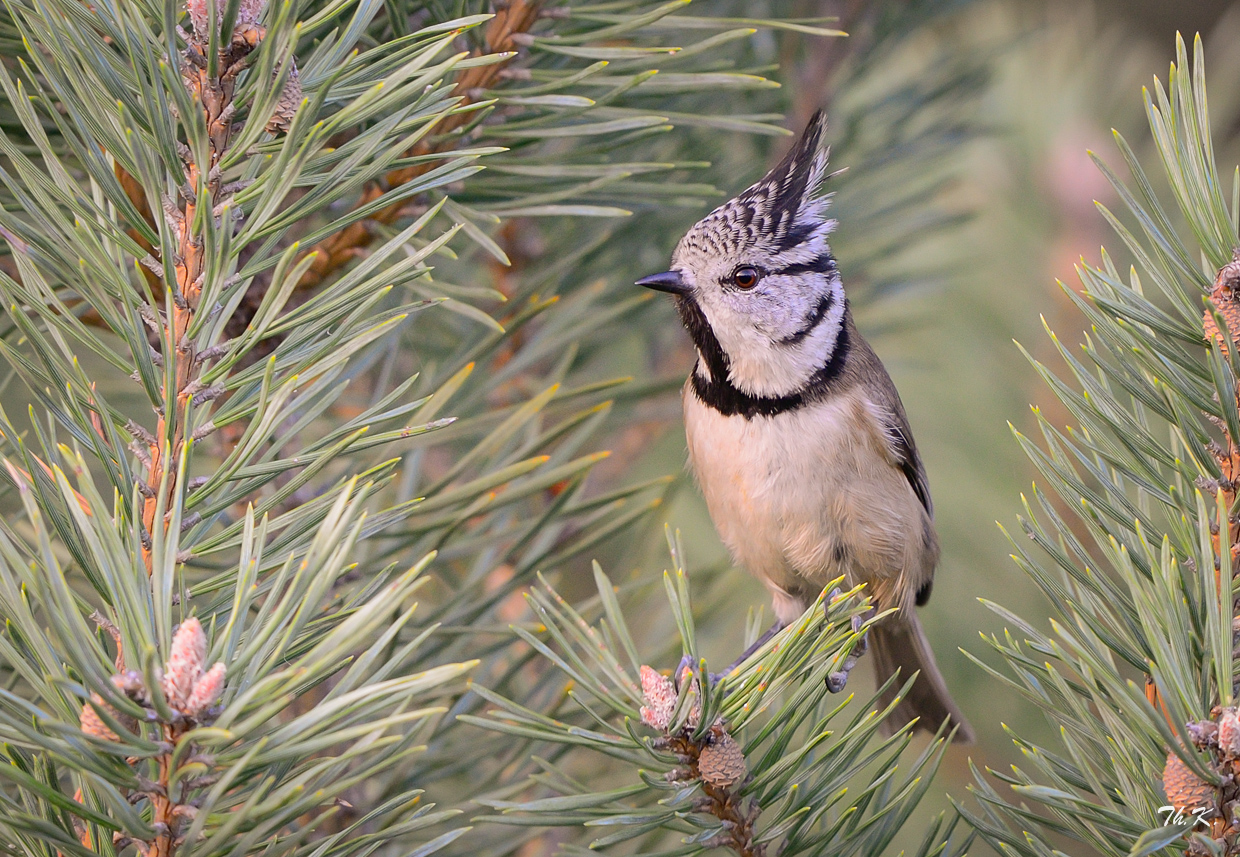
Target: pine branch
511, 20
754, 762
211, 81
1152, 467
398, 412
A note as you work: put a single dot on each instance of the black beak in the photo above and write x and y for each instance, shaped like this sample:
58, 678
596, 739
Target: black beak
669, 281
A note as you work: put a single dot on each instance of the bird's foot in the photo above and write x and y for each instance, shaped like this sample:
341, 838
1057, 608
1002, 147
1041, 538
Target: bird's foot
863, 645
838, 680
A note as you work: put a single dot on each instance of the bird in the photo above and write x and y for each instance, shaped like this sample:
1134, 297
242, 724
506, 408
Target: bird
796, 434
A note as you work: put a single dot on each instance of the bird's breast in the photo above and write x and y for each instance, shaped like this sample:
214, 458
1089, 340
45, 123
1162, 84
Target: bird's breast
808, 495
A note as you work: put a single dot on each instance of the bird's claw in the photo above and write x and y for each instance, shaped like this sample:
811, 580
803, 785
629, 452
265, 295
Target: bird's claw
838, 680
863, 645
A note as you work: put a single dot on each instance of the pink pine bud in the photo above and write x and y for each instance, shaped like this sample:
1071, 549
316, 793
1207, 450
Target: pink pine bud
198, 14
189, 653
206, 691
249, 13
659, 694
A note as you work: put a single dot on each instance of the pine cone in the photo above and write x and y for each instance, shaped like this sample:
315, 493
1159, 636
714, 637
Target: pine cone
1226, 298
92, 724
290, 99
722, 762
1185, 790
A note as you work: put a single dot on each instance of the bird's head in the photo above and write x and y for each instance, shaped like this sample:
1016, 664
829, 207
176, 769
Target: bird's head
755, 282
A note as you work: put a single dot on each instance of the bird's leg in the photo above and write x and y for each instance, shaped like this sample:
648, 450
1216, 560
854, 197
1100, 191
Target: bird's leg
837, 680
763, 639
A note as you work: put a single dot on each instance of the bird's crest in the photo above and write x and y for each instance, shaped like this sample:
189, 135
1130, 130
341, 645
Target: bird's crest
789, 195
782, 210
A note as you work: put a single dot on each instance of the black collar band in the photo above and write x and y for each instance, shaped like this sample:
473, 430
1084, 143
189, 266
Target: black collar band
719, 393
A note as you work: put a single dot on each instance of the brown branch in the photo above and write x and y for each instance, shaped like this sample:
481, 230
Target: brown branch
1225, 296
214, 96
1219, 736
715, 761
739, 822
333, 252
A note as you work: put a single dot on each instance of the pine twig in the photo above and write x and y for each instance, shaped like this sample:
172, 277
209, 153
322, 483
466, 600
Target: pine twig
715, 761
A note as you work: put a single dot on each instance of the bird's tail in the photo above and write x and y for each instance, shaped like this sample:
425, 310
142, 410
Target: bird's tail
899, 643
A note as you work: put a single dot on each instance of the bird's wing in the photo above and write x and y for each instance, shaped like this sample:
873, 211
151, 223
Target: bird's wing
867, 372
910, 462
904, 453
864, 371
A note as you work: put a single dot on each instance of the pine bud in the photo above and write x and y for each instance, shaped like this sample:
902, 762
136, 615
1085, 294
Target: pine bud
1229, 733
92, 724
722, 762
247, 15
1226, 299
660, 697
198, 13
181, 673
1184, 789
290, 99
206, 691
131, 684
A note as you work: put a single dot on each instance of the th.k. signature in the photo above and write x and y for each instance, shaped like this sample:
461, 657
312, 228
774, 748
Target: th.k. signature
1171, 815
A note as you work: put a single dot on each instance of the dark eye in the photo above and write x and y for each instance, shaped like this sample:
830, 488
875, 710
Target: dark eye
745, 277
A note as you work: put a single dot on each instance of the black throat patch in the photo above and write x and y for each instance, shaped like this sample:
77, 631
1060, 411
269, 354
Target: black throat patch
722, 395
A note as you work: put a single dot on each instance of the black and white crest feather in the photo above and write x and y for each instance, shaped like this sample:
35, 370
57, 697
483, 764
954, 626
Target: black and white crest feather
782, 210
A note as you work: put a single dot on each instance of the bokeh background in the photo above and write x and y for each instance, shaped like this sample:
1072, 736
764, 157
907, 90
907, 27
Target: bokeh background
973, 122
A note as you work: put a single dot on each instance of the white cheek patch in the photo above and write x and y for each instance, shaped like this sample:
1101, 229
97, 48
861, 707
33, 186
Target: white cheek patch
760, 364
790, 304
